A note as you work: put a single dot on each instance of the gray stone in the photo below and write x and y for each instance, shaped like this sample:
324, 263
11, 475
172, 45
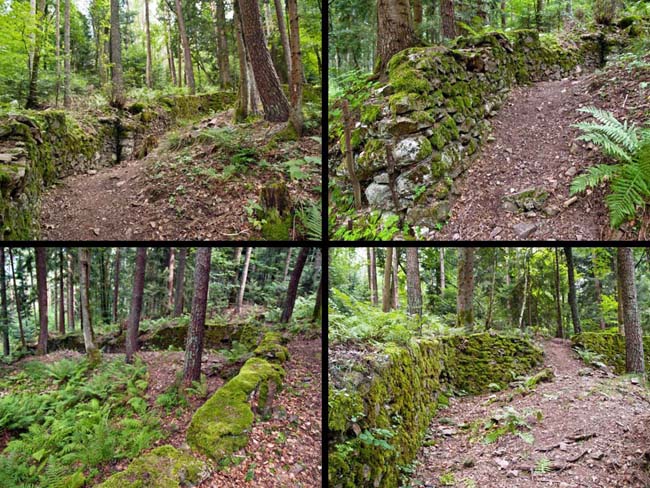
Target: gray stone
379, 196
524, 229
381, 179
6, 158
529, 199
408, 150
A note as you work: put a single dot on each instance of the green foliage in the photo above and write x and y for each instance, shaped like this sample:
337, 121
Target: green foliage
377, 437
371, 227
447, 479
590, 357
509, 421
235, 353
543, 466
629, 180
310, 217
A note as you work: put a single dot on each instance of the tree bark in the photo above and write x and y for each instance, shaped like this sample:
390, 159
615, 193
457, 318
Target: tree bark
180, 283
597, 292
148, 67
170, 282
276, 105
61, 295
448, 19
294, 281
189, 71
84, 278
558, 301
117, 97
464, 302
136, 304
196, 330
488, 320
572, 291
17, 300
32, 96
234, 290
116, 285
57, 55
222, 45
417, 14
66, 53
395, 284
41, 284
244, 276
634, 360
284, 38
243, 104
524, 295
442, 270
387, 296
3, 297
287, 262
296, 71
70, 291
619, 296
413, 287
318, 306
373, 277
395, 32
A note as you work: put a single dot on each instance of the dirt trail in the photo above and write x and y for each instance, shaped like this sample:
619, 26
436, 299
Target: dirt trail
612, 412
532, 145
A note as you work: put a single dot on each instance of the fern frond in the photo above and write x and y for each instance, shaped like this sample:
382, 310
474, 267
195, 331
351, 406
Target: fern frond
628, 191
594, 177
620, 131
605, 143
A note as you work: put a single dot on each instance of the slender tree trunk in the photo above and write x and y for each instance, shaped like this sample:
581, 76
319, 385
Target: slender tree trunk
598, 292
395, 32
619, 296
243, 104
180, 283
572, 291
284, 38
117, 98
373, 277
417, 14
148, 67
66, 52
57, 55
222, 45
70, 291
464, 305
287, 262
61, 295
234, 289
509, 295
244, 276
294, 281
32, 96
387, 295
196, 330
41, 284
296, 69
558, 300
170, 282
395, 286
3, 297
503, 14
189, 71
413, 287
136, 304
93, 353
524, 295
17, 300
448, 19
276, 105
443, 285
488, 320
318, 306
116, 285
634, 360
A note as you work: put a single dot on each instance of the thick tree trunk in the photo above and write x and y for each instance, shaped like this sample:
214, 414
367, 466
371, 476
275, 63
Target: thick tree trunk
189, 71
41, 284
117, 97
148, 67
61, 295
180, 283
116, 285
395, 284
572, 291
93, 353
598, 292
413, 288
244, 277
558, 299
464, 302
243, 105
66, 53
387, 295
417, 14
394, 32
196, 330
70, 291
222, 45
373, 277
136, 304
3, 297
634, 360
170, 282
276, 105
448, 19
296, 70
17, 300
294, 281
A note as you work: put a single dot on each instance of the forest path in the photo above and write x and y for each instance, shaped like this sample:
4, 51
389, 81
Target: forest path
532, 145
610, 411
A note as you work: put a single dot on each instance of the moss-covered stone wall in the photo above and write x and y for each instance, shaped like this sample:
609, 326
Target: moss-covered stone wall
37, 147
429, 120
381, 402
610, 344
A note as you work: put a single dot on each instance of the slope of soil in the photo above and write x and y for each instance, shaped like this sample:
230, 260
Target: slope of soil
533, 145
610, 413
187, 193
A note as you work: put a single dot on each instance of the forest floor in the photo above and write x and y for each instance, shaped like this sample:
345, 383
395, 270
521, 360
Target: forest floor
588, 428
533, 146
202, 182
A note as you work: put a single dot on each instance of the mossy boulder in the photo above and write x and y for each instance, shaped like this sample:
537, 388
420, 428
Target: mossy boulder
610, 344
271, 348
218, 334
164, 467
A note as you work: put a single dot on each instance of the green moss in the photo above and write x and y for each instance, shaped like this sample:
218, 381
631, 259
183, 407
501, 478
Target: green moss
438, 140
164, 467
250, 334
425, 150
271, 348
221, 426
611, 345
370, 113
276, 227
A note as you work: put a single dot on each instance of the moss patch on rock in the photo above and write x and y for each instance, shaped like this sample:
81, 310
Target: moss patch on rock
164, 467
610, 344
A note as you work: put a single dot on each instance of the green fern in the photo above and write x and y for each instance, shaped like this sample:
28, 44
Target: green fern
629, 180
311, 218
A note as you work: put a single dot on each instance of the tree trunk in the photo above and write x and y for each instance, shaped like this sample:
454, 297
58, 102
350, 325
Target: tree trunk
373, 277
488, 320
287, 262
597, 292
634, 360
116, 286
41, 284
61, 295
276, 105
294, 281
572, 291
244, 276
394, 32
243, 105
189, 71
442, 270
296, 71
117, 98
464, 303
509, 295
84, 278
318, 306
170, 282
417, 14
503, 14
3, 297
17, 300
196, 330
66, 53
448, 19
180, 283
558, 301
136, 304
148, 67
413, 288
619, 296
284, 38
70, 292
57, 55
395, 285
524, 294
222, 45
387, 296
32, 96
